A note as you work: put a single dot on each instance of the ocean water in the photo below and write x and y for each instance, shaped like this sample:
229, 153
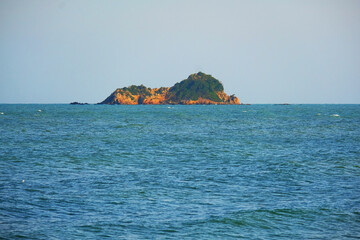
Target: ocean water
180, 172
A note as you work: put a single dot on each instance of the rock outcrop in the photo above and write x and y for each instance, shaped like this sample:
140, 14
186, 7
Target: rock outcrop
198, 88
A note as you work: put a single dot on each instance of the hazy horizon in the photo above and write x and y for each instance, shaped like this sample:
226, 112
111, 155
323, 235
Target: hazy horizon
264, 52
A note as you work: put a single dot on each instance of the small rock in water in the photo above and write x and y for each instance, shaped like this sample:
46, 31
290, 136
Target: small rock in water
78, 103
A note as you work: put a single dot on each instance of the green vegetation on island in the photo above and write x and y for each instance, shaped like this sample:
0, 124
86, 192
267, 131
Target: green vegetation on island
195, 86
137, 90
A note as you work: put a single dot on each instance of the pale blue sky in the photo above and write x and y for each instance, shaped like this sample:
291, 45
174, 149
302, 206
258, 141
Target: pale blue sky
58, 51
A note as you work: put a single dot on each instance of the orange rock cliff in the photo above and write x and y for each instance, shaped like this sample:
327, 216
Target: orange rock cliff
198, 88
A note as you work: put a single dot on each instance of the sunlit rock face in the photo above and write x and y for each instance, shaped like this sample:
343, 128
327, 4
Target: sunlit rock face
198, 88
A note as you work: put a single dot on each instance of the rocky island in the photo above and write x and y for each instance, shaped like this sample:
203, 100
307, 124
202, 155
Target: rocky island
198, 88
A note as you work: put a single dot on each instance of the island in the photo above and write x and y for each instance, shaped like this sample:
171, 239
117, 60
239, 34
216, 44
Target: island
198, 88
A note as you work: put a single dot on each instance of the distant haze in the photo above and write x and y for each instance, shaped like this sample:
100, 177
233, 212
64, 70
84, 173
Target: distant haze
304, 51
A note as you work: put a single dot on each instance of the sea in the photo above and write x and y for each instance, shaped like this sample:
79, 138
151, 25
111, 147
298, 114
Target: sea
179, 172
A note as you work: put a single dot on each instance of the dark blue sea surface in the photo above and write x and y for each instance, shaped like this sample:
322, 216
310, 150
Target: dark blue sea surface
180, 172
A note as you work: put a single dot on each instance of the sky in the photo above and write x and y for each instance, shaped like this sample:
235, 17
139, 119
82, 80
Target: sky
270, 51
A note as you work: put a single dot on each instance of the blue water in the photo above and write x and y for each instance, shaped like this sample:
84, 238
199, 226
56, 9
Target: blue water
180, 172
